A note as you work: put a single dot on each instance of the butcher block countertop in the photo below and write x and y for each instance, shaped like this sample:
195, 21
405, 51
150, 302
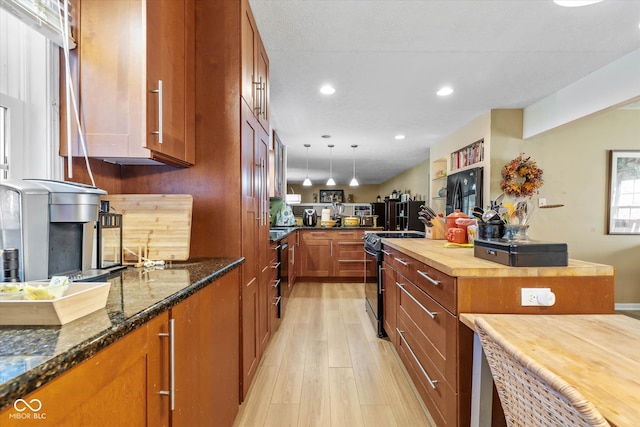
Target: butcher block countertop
598, 354
460, 262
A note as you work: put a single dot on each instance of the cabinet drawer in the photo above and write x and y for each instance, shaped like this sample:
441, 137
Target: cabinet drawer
437, 394
435, 336
441, 287
349, 249
400, 262
350, 234
313, 234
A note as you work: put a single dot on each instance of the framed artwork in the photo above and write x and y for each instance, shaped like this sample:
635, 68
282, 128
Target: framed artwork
624, 192
329, 196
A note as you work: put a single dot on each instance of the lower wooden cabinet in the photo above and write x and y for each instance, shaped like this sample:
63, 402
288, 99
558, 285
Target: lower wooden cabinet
206, 364
334, 253
129, 382
98, 392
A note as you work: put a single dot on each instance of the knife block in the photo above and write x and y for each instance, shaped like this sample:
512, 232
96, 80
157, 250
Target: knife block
437, 231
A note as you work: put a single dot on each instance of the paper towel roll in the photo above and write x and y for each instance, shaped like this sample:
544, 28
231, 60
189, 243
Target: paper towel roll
326, 214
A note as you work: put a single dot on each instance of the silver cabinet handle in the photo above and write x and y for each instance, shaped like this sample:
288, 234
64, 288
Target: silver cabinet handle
385, 252
331, 247
159, 131
257, 99
406, 264
431, 382
429, 278
276, 283
430, 313
276, 265
277, 301
172, 363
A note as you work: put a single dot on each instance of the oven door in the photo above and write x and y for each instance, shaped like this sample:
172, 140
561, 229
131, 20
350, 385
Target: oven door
373, 291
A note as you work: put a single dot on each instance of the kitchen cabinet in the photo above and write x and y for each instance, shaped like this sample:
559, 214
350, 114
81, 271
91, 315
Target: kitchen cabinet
134, 75
255, 240
350, 259
129, 382
407, 215
99, 391
433, 288
293, 245
255, 68
334, 253
316, 252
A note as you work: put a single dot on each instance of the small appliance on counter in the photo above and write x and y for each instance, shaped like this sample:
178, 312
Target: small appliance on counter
51, 224
309, 218
522, 253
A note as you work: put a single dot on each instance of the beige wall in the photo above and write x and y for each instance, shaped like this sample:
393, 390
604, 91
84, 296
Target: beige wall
361, 193
574, 158
414, 181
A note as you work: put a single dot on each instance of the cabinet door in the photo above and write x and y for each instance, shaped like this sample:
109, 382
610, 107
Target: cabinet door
171, 78
117, 81
389, 301
158, 371
262, 70
194, 351
249, 48
316, 257
100, 391
251, 216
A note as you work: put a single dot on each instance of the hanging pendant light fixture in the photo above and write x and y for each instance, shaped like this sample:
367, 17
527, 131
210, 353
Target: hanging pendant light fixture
331, 181
354, 181
307, 181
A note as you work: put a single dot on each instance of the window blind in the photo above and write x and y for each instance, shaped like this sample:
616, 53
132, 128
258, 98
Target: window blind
42, 15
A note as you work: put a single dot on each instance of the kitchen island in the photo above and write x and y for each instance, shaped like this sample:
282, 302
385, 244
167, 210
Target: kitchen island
427, 285
33, 357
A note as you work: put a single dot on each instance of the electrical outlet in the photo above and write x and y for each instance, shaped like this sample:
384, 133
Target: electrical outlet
537, 297
542, 202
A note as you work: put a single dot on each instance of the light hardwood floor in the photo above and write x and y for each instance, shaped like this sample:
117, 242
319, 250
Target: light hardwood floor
326, 367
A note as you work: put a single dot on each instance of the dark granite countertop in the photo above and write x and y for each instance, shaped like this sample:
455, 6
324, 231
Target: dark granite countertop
31, 356
279, 233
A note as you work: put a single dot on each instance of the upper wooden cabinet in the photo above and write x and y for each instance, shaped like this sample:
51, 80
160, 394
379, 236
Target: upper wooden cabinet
255, 68
134, 78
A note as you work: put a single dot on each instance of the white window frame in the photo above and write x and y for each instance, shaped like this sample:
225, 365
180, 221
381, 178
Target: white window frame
29, 89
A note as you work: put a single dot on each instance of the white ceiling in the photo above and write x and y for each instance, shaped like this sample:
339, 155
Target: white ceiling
387, 58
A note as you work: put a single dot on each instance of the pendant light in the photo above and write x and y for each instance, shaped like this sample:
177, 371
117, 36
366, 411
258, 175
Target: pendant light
331, 181
354, 181
307, 181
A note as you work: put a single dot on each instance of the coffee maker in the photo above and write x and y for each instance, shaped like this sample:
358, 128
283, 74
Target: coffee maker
51, 224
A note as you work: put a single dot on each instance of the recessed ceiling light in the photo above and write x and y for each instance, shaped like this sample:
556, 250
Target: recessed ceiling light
575, 3
325, 136
399, 137
445, 91
327, 90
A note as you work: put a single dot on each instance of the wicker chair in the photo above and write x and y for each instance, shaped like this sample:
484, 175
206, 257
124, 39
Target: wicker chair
530, 394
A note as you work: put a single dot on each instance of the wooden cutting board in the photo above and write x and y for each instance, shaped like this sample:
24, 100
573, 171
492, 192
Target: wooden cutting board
157, 223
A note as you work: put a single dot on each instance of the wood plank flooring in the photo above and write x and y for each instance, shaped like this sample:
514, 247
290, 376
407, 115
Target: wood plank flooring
325, 367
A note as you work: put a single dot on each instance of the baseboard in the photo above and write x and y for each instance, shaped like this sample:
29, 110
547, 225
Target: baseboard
627, 306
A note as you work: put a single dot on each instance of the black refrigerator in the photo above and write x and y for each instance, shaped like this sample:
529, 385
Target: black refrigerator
464, 191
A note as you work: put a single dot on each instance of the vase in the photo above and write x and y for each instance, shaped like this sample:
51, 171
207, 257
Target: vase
515, 232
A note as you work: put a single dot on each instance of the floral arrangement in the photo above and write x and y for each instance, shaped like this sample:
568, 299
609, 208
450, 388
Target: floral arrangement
521, 177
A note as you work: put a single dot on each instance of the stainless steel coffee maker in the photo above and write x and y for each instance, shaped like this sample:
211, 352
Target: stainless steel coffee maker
51, 224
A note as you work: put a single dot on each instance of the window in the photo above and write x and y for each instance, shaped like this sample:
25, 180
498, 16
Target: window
4, 159
29, 97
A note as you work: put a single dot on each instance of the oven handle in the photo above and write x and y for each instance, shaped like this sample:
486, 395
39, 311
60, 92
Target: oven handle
373, 254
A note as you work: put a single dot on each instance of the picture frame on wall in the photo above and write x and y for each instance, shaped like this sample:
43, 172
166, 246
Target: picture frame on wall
330, 196
624, 192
